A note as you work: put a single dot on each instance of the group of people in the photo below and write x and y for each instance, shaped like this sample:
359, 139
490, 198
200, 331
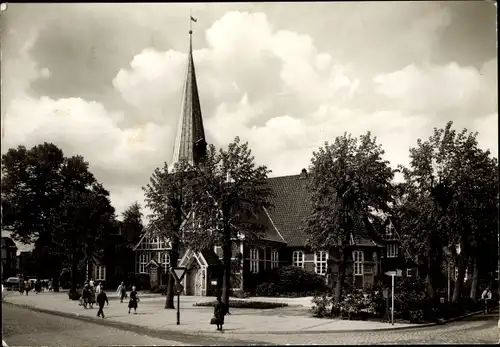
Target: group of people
38, 286
93, 293
134, 298
90, 293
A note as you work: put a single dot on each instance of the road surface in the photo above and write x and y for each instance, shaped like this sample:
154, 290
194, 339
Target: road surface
29, 328
23, 327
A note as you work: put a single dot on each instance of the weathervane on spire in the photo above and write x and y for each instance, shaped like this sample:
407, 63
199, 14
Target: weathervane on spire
191, 23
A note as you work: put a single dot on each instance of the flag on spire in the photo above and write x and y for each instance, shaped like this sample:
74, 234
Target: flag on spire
193, 19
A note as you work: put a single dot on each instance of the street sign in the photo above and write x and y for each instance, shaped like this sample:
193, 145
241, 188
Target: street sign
178, 288
397, 273
178, 273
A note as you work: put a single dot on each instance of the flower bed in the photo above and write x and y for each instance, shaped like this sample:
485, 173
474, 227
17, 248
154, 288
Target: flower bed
245, 304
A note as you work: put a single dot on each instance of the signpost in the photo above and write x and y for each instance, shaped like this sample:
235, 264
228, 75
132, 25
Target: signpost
393, 274
178, 274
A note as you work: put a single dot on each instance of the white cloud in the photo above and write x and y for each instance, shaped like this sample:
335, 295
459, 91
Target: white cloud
273, 87
435, 89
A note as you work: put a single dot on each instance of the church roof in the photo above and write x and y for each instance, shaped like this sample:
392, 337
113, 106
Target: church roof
190, 143
291, 208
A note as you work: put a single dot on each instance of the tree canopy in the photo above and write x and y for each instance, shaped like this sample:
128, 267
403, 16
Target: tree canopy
349, 182
54, 202
229, 193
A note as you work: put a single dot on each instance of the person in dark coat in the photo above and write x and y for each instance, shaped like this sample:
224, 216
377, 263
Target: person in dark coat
21, 287
27, 286
91, 296
220, 311
101, 299
38, 286
85, 295
134, 299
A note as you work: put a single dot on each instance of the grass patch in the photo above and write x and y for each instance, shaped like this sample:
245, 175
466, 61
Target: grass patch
259, 305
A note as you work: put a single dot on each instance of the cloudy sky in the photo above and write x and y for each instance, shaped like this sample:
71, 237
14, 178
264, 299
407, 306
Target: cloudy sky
104, 80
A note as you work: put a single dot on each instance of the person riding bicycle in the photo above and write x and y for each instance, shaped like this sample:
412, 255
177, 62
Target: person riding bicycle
486, 296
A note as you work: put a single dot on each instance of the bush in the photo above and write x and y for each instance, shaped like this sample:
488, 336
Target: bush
285, 281
321, 307
241, 294
245, 304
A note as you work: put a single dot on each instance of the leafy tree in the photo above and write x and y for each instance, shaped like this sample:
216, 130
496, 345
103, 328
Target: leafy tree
132, 227
349, 182
229, 193
165, 197
450, 192
31, 195
54, 202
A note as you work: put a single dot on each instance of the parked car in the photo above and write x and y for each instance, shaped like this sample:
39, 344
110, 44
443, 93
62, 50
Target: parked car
12, 283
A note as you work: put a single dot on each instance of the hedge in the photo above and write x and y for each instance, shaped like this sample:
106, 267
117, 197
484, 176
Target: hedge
285, 281
245, 304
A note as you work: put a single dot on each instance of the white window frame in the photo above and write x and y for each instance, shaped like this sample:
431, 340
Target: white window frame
165, 261
358, 259
100, 272
408, 273
274, 259
298, 258
254, 260
320, 262
143, 262
392, 250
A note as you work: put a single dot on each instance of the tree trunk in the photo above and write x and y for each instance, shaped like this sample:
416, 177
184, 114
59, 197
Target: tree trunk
55, 281
74, 270
226, 286
459, 282
340, 280
429, 278
169, 301
475, 281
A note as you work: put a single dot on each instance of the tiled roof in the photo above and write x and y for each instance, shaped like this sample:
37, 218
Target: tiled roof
291, 207
211, 258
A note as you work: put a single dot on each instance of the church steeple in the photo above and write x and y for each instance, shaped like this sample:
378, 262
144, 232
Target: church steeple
190, 144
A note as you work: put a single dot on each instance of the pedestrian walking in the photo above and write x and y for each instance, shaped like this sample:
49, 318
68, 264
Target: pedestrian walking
220, 310
121, 291
38, 286
91, 282
27, 286
91, 296
21, 287
486, 297
85, 295
101, 299
134, 299
50, 286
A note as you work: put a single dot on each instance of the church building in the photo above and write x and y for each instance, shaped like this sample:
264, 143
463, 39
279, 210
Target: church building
283, 243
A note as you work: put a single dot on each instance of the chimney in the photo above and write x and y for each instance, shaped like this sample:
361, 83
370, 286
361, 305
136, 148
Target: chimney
303, 174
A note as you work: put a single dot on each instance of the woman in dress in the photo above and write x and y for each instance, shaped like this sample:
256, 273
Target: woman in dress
220, 311
134, 299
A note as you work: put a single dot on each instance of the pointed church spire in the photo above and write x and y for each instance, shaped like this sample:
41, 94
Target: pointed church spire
190, 144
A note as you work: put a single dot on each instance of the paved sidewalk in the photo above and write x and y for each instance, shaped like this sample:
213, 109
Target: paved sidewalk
195, 320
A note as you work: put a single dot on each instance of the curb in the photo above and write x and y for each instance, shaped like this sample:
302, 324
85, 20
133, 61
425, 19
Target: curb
167, 334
